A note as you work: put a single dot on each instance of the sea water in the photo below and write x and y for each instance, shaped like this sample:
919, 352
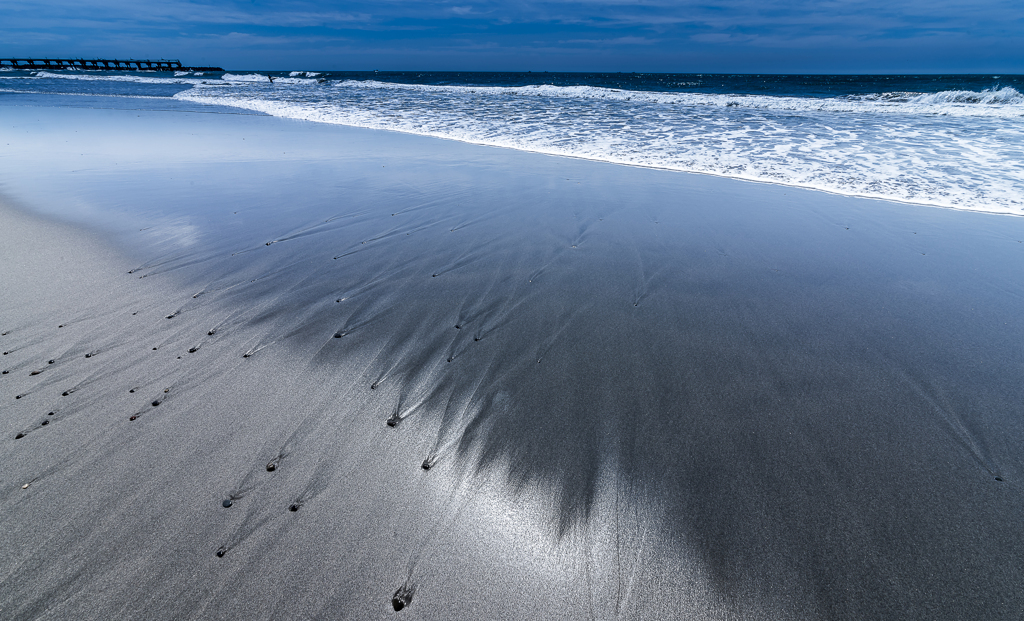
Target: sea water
954, 141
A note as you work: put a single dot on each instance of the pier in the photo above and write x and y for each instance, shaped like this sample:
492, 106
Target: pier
100, 64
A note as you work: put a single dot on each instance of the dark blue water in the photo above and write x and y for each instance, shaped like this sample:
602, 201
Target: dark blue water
741, 84
754, 84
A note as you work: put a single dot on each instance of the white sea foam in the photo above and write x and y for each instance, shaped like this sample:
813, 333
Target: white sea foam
249, 77
299, 81
256, 78
927, 154
137, 79
1004, 96
22, 91
1006, 102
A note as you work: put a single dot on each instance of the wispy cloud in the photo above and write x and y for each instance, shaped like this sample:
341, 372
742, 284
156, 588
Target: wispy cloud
535, 30
615, 41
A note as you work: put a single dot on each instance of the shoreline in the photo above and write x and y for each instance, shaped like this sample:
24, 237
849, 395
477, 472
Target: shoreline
272, 108
793, 186
637, 392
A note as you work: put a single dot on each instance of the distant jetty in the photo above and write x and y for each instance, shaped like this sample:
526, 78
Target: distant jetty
100, 64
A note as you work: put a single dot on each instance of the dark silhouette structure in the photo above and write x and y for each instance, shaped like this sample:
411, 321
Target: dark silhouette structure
100, 64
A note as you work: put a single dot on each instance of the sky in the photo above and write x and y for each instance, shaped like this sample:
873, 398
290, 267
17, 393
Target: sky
689, 36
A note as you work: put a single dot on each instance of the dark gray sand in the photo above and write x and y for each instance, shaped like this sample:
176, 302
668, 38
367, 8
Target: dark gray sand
281, 370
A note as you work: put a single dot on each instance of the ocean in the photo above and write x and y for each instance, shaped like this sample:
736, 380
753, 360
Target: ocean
953, 141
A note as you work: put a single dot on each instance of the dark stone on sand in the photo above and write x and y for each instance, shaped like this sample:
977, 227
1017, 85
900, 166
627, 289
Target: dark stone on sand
221, 552
5, 372
88, 355
401, 598
19, 436
133, 417
17, 396
65, 393
50, 414
45, 422
156, 403
227, 503
271, 467
36, 372
427, 464
337, 335
193, 350
999, 478
132, 390
50, 361
294, 507
210, 333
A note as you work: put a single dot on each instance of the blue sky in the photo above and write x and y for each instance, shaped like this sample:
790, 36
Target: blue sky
744, 36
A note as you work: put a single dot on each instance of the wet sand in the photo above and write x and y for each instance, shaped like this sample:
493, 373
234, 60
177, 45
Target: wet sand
302, 371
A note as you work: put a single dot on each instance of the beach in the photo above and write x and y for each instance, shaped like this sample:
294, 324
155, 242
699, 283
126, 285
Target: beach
315, 371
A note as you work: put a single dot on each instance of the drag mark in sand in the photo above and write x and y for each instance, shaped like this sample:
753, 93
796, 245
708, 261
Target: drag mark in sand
252, 522
43, 423
468, 257
163, 260
257, 516
465, 412
402, 356
368, 311
487, 312
421, 395
562, 322
956, 425
393, 232
316, 229
477, 219
315, 486
447, 515
646, 274
454, 198
584, 223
